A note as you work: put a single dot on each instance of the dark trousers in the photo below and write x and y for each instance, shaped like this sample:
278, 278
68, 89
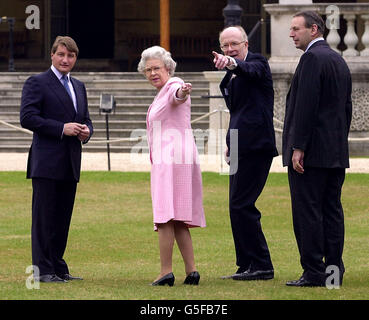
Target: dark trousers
52, 206
318, 219
245, 187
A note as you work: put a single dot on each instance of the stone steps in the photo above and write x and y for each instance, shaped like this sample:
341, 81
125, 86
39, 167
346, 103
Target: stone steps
95, 99
11, 112
88, 76
104, 85
13, 116
119, 124
132, 93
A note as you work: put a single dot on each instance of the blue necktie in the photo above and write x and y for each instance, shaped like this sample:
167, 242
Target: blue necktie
66, 86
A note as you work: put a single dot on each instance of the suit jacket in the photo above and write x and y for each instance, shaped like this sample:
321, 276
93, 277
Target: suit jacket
45, 108
319, 109
249, 96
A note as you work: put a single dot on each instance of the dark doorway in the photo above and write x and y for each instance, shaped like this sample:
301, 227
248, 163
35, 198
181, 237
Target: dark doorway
91, 25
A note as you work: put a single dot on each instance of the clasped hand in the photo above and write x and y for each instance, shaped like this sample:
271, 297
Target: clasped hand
76, 129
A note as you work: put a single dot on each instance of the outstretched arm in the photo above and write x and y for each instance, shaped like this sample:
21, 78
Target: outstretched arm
184, 91
221, 61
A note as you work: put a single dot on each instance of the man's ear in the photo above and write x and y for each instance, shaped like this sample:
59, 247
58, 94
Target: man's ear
314, 30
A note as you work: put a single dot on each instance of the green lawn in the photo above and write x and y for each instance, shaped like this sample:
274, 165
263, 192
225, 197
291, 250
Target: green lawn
112, 244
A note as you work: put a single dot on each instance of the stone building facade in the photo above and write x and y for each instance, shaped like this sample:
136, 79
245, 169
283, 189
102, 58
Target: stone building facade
112, 33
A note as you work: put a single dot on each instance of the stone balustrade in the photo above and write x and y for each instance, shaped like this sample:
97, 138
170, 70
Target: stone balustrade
352, 13
284, 57
355, 14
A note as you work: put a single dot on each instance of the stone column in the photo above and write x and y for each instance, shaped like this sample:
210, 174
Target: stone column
334, 39
284, 55
219, 121
350, 38
365, 37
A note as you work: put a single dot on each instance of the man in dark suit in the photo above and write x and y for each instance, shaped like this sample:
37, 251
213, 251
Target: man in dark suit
54, 107
248, 92
315, 149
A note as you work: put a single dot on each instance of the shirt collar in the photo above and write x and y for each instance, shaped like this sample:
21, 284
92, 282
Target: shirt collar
58, 73
313, 41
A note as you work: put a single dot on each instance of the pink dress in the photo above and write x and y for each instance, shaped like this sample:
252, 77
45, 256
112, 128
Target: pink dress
176, 184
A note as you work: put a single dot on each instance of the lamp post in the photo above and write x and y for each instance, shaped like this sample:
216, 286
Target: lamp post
232, 13
11, 22
107, 105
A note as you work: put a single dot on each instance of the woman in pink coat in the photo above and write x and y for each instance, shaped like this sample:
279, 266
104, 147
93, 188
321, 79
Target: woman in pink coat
176, 185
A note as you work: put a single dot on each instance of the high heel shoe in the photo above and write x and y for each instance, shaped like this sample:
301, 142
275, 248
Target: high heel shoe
193, 278
167, 279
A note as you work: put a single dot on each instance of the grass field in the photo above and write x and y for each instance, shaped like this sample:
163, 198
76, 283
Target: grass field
113, 247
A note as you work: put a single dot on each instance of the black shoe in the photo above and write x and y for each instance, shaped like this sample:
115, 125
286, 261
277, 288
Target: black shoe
49, 278
192, 278
254, 275
167, 279
239, 271
302, 282
68, 277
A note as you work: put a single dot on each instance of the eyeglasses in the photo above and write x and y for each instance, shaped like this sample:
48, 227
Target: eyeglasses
150, 70
225, 46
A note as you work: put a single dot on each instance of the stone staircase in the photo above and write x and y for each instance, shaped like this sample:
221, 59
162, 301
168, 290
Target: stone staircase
132, 93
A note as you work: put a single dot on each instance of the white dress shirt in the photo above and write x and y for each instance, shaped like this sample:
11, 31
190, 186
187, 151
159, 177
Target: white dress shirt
313, 41
234, 62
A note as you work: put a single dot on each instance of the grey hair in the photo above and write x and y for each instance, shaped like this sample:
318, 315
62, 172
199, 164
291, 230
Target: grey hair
160, 53
242, 30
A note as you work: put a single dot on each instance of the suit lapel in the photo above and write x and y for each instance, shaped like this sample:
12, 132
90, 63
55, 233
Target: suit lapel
226, 79
79, 95
61, 93
225, 88
293, 84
